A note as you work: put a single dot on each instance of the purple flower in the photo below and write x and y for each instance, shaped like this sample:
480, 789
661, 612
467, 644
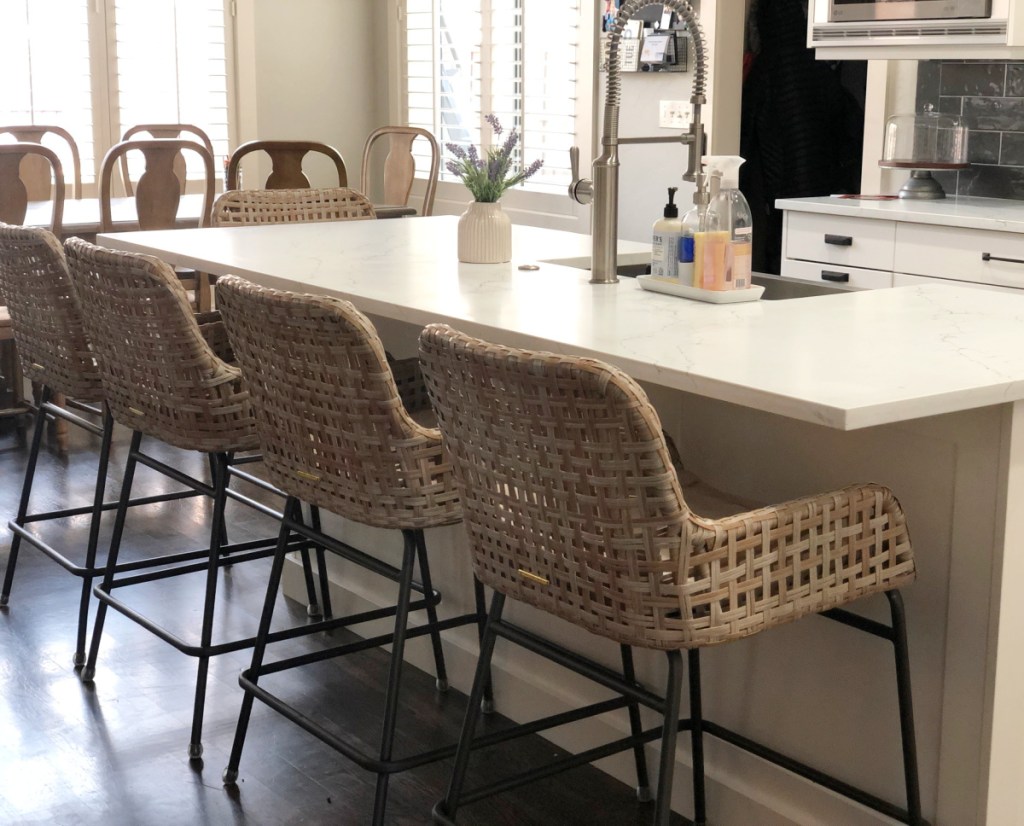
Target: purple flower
532, 169
454, 168
492, 119
457, 150
510, 143
473, 157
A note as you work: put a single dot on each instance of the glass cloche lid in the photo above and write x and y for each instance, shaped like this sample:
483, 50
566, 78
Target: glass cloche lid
922, 143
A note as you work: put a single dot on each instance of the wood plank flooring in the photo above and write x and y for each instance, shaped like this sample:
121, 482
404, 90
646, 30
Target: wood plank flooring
115, 752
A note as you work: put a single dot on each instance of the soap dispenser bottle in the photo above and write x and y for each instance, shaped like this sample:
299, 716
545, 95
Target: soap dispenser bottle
728, 250
665, 240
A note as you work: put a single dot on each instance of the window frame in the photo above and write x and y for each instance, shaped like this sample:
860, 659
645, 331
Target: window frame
546, 209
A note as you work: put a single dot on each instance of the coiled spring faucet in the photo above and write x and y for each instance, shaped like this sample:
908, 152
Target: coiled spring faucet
603, 189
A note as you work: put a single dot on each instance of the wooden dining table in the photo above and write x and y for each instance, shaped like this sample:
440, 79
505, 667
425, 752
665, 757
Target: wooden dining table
82, 215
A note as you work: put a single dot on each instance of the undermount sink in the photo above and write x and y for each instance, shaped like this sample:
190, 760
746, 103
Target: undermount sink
776, 287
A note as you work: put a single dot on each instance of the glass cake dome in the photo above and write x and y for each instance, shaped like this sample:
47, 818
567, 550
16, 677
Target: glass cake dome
924, 143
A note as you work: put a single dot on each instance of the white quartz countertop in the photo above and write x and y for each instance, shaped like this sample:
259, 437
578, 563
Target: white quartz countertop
975, 213
845, 361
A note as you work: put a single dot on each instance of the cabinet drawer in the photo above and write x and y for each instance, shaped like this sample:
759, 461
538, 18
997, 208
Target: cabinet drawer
960, 254
853, 278
849, 242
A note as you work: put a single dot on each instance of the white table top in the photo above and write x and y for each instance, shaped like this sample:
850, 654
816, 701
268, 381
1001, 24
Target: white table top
975, 213
845, 361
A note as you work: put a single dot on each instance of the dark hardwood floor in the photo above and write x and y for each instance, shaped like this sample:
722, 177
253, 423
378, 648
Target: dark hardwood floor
115, 752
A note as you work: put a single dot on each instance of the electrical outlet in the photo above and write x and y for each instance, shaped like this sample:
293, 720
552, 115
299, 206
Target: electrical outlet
675, 114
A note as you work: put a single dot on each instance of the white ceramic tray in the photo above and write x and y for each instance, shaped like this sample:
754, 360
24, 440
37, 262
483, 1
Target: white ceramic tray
672, 286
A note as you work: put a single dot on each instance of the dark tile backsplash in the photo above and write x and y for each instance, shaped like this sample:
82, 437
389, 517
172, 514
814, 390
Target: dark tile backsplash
989, 96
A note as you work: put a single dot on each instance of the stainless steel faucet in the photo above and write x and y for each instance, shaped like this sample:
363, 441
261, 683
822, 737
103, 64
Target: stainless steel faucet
603, 189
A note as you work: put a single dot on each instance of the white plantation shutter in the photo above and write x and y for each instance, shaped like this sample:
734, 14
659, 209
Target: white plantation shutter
44, 61
96, 67
517, 59
171, 67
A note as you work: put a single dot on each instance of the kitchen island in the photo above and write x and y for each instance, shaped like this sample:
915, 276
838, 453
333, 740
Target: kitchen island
919, 388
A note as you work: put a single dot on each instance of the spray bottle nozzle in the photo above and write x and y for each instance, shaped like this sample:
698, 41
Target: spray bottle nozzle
671, 210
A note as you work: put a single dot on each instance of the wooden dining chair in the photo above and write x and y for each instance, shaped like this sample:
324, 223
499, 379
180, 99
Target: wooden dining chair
35, 171
158, 193
400, 165
286, 163
187, 131
16, 191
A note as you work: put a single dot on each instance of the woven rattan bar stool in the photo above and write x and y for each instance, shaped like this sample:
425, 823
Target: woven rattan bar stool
246, 207
335, 434
572, 505
163, 380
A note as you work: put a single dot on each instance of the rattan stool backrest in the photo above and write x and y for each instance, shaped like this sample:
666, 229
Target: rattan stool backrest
333, 431
47, 323
572, 504
244, 207
159, 374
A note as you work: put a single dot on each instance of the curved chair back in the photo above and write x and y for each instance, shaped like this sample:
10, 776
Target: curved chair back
572, 504
164, 130
158, 190
570, 499
159, 374
242, 207
45, 317
332, 428
15, 194
286, 163
400, 165
36, 172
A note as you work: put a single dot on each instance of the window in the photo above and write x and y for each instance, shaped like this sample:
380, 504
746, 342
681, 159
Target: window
523, 60
98, 68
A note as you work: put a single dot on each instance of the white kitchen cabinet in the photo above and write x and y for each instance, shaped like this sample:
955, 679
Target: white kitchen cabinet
872, 244
998, 36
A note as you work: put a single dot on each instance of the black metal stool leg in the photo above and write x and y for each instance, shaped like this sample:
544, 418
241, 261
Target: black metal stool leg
89, 670
487, 704
445, 811
899, 641
643, 783
219, 464
292, 508
313, 608
395, 673
94, 534
670, 730
428, 590
321, 565
697, 739
26, 493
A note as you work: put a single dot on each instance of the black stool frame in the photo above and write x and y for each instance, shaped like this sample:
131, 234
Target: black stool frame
669, 706
89, 570
383, 762
220, 554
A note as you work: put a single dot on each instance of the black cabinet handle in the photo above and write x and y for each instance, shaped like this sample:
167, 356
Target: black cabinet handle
832, 275
839, 240
987, 256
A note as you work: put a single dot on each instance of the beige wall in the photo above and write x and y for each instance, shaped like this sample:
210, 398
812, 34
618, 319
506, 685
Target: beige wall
312, 69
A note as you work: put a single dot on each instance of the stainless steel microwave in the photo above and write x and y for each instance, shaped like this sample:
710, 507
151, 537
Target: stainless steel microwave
843, 11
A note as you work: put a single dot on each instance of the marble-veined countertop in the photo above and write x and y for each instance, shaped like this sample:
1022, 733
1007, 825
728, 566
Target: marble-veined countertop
846, 361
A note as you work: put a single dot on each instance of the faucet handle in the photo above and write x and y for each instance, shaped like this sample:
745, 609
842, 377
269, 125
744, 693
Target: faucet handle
581, 190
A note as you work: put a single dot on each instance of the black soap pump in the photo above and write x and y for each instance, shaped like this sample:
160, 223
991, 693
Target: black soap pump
665, 239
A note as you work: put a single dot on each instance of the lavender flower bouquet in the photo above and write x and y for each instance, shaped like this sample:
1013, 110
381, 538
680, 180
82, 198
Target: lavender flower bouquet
488, 178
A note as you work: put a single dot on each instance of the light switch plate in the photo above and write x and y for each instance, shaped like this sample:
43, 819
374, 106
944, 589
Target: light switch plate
675, 114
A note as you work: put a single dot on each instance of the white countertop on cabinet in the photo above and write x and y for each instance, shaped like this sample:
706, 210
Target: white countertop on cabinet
975, 213
845, 361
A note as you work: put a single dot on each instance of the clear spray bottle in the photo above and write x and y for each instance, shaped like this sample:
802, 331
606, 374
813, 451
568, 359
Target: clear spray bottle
727, 261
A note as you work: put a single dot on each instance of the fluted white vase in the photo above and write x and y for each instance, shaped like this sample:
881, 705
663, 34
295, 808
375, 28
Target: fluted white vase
485, 234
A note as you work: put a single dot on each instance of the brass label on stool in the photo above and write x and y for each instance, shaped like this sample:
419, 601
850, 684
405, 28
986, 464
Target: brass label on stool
308, 476
534, 577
